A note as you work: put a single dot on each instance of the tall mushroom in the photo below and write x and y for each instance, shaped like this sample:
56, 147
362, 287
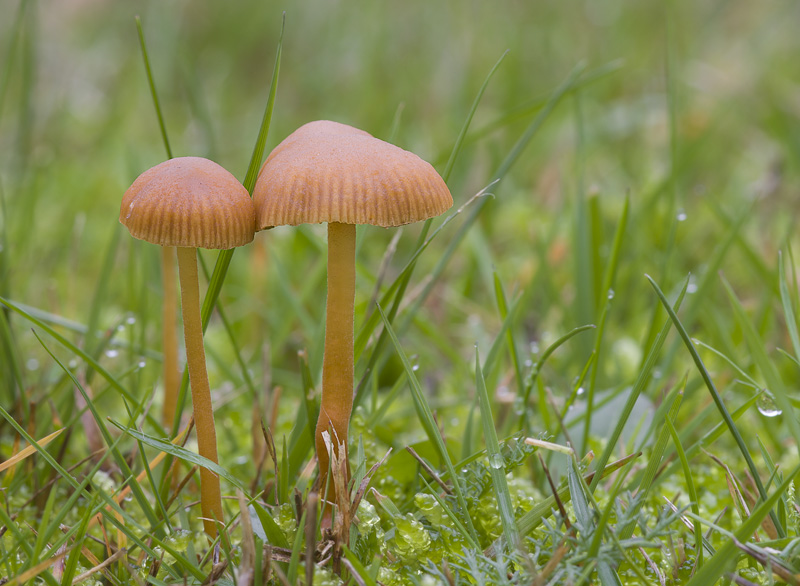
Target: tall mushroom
334, 173
192, 203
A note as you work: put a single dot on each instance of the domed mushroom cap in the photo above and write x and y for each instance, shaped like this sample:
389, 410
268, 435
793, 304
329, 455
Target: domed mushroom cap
191, 202
331, 172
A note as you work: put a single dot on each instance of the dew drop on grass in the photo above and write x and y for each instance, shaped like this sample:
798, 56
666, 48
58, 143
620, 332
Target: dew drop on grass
142, 363
519, 406
611, 294
414, 362
112, 353
534, 347
121, 328
32, 364
580, 391
130, 321
497, 462
73, 363
766, 405
681, 217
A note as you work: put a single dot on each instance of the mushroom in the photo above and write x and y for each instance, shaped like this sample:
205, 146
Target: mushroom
334, 173
192, 202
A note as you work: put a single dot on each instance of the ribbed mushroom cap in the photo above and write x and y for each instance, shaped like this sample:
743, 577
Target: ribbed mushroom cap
331, 172
191, 202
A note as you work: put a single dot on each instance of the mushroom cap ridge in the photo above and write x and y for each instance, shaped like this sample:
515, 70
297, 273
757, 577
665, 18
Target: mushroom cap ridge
330, 172
191, 202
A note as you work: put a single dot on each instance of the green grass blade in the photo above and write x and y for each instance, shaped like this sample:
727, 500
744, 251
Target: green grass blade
224, 257
768, 369
75, 554
496, 463
537, 367
362, 575
271, 529
152, 84
297, 548
608, 292
788, 311
448, 168
638, 387
699, 541
181, 453
429, 424
715, 567
712, 389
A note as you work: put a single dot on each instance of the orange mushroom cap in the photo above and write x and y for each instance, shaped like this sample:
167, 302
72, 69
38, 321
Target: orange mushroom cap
190, 202
331, 172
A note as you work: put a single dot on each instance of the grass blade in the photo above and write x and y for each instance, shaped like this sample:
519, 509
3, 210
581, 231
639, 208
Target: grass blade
712, 389
429, 424
496, 463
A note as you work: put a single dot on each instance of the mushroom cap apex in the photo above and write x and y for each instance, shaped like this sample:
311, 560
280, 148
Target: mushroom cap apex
189, 202
330, 172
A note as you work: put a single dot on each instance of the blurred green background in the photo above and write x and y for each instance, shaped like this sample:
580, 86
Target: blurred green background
692, 113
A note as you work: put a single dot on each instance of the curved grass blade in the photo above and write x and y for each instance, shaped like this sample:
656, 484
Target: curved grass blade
224, 258
496, 463
428, 423
712, 389
715, 567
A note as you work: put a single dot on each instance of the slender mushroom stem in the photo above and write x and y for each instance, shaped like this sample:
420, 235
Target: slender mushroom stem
337, 364
210, 496
170, 337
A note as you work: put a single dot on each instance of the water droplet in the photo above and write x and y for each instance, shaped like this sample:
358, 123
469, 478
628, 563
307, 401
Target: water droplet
766, 405
692, 286
534, 347
681, 217
112, 353
142, 363
130, 321
528, 363
519, 406
580, 391
121, 328
657, 373
611, 294
73, 363
32, 364
497, 462
414, 360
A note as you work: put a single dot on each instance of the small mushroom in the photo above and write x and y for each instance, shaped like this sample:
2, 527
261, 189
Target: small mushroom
192, 203
334, 173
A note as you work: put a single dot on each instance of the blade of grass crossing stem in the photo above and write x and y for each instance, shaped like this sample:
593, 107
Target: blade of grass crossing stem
402, 281
788, 308
496, 463
120, 460
505, 166
12, 365
638, 387
775, 384
152, 84
699, 541
181, 453
720, 562
712, 389
502, 307
224, 257
608, 292
429, 424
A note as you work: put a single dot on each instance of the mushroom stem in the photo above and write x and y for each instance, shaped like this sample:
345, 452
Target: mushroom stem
170, 337
337, 364
210, 496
